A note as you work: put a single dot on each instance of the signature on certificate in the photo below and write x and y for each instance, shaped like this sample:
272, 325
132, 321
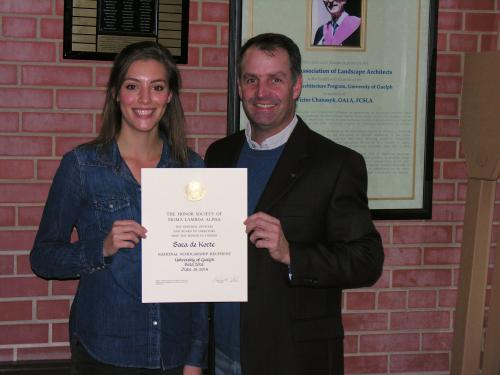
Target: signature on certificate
226, 279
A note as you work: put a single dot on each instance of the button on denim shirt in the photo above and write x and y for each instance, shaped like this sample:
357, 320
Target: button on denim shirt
92, 188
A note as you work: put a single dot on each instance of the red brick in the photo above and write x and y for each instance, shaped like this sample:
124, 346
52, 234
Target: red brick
27, 51
449, 63
448, 212
421, 299
64, 288
43, 353
194, 56
464, 42
443, 192
15, 310
30, 216
8, 74
214, 57
25, 146
412, 234
450, 21
193, 11
360, 300
392, 300
189, 101
60, 7
437, 170
102, 76
486, 22
47, 168
213, 102
437, 341
383, 281
489, 43
448, 4
51, 28
445, 149
23, 287
23, 193
446, 106
373, 364
6, 355
40, 122
25, 98
16, 240
52, 309
462, 192
16, 169
202, 34
420, 320
421, 278
442, 42
65, 144
6, 264
377, 343
225, 30
23, 265
441, 256
476, 4
60, 332
447, 298
455, 170
204, 79
80, 99
384, 231
351, 344
365, 321
56, 76
210, 125
7, 216
448, 85
24, 334
26, 6
19, 27
9, 122
420, 362
214, 12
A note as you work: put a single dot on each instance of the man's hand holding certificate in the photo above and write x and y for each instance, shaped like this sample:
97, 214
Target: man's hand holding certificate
196, 247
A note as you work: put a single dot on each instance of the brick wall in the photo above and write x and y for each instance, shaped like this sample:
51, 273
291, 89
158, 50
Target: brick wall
48, 105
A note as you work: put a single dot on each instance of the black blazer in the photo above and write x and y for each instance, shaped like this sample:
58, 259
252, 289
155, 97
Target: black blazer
318, 192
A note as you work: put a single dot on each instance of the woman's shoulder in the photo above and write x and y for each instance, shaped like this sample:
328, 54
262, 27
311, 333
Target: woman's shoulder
194, 160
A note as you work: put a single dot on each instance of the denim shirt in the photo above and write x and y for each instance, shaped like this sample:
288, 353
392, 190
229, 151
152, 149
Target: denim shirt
92, 188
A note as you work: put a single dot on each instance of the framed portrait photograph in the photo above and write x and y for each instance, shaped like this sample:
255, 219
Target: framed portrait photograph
369, 72
336, 24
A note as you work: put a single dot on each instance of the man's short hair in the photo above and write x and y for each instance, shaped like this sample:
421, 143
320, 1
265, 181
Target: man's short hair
270, 42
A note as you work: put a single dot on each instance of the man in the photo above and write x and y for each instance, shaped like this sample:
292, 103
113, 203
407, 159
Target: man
310, 231
341, 30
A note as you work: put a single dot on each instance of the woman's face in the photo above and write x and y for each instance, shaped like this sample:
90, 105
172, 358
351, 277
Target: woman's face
144, 96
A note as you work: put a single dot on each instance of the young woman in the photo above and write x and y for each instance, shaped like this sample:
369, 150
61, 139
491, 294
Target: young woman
97, 190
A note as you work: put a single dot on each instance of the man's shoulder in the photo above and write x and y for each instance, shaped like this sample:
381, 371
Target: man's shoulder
223, 148
320, 145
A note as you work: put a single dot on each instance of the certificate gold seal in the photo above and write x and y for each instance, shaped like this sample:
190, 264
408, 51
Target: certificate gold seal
195, 191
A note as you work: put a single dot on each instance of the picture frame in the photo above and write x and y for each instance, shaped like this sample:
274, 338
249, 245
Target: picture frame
377, 96
99, 29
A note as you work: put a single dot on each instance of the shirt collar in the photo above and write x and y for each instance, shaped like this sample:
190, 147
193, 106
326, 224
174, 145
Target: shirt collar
341, 19
274, 141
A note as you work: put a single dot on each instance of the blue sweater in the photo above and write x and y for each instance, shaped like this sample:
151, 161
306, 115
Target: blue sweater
260, 165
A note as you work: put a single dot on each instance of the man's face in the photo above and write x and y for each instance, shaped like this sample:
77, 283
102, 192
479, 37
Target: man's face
335, 7
267, 91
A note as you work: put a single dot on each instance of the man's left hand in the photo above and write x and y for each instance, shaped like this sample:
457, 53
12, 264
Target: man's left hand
266, 233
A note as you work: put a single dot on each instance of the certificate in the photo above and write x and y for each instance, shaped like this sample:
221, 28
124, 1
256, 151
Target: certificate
196, 245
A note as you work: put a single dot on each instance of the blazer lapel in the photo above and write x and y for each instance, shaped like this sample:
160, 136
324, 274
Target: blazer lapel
289, 168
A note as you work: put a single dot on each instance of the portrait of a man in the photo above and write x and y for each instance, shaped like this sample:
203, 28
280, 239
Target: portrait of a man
342, 27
